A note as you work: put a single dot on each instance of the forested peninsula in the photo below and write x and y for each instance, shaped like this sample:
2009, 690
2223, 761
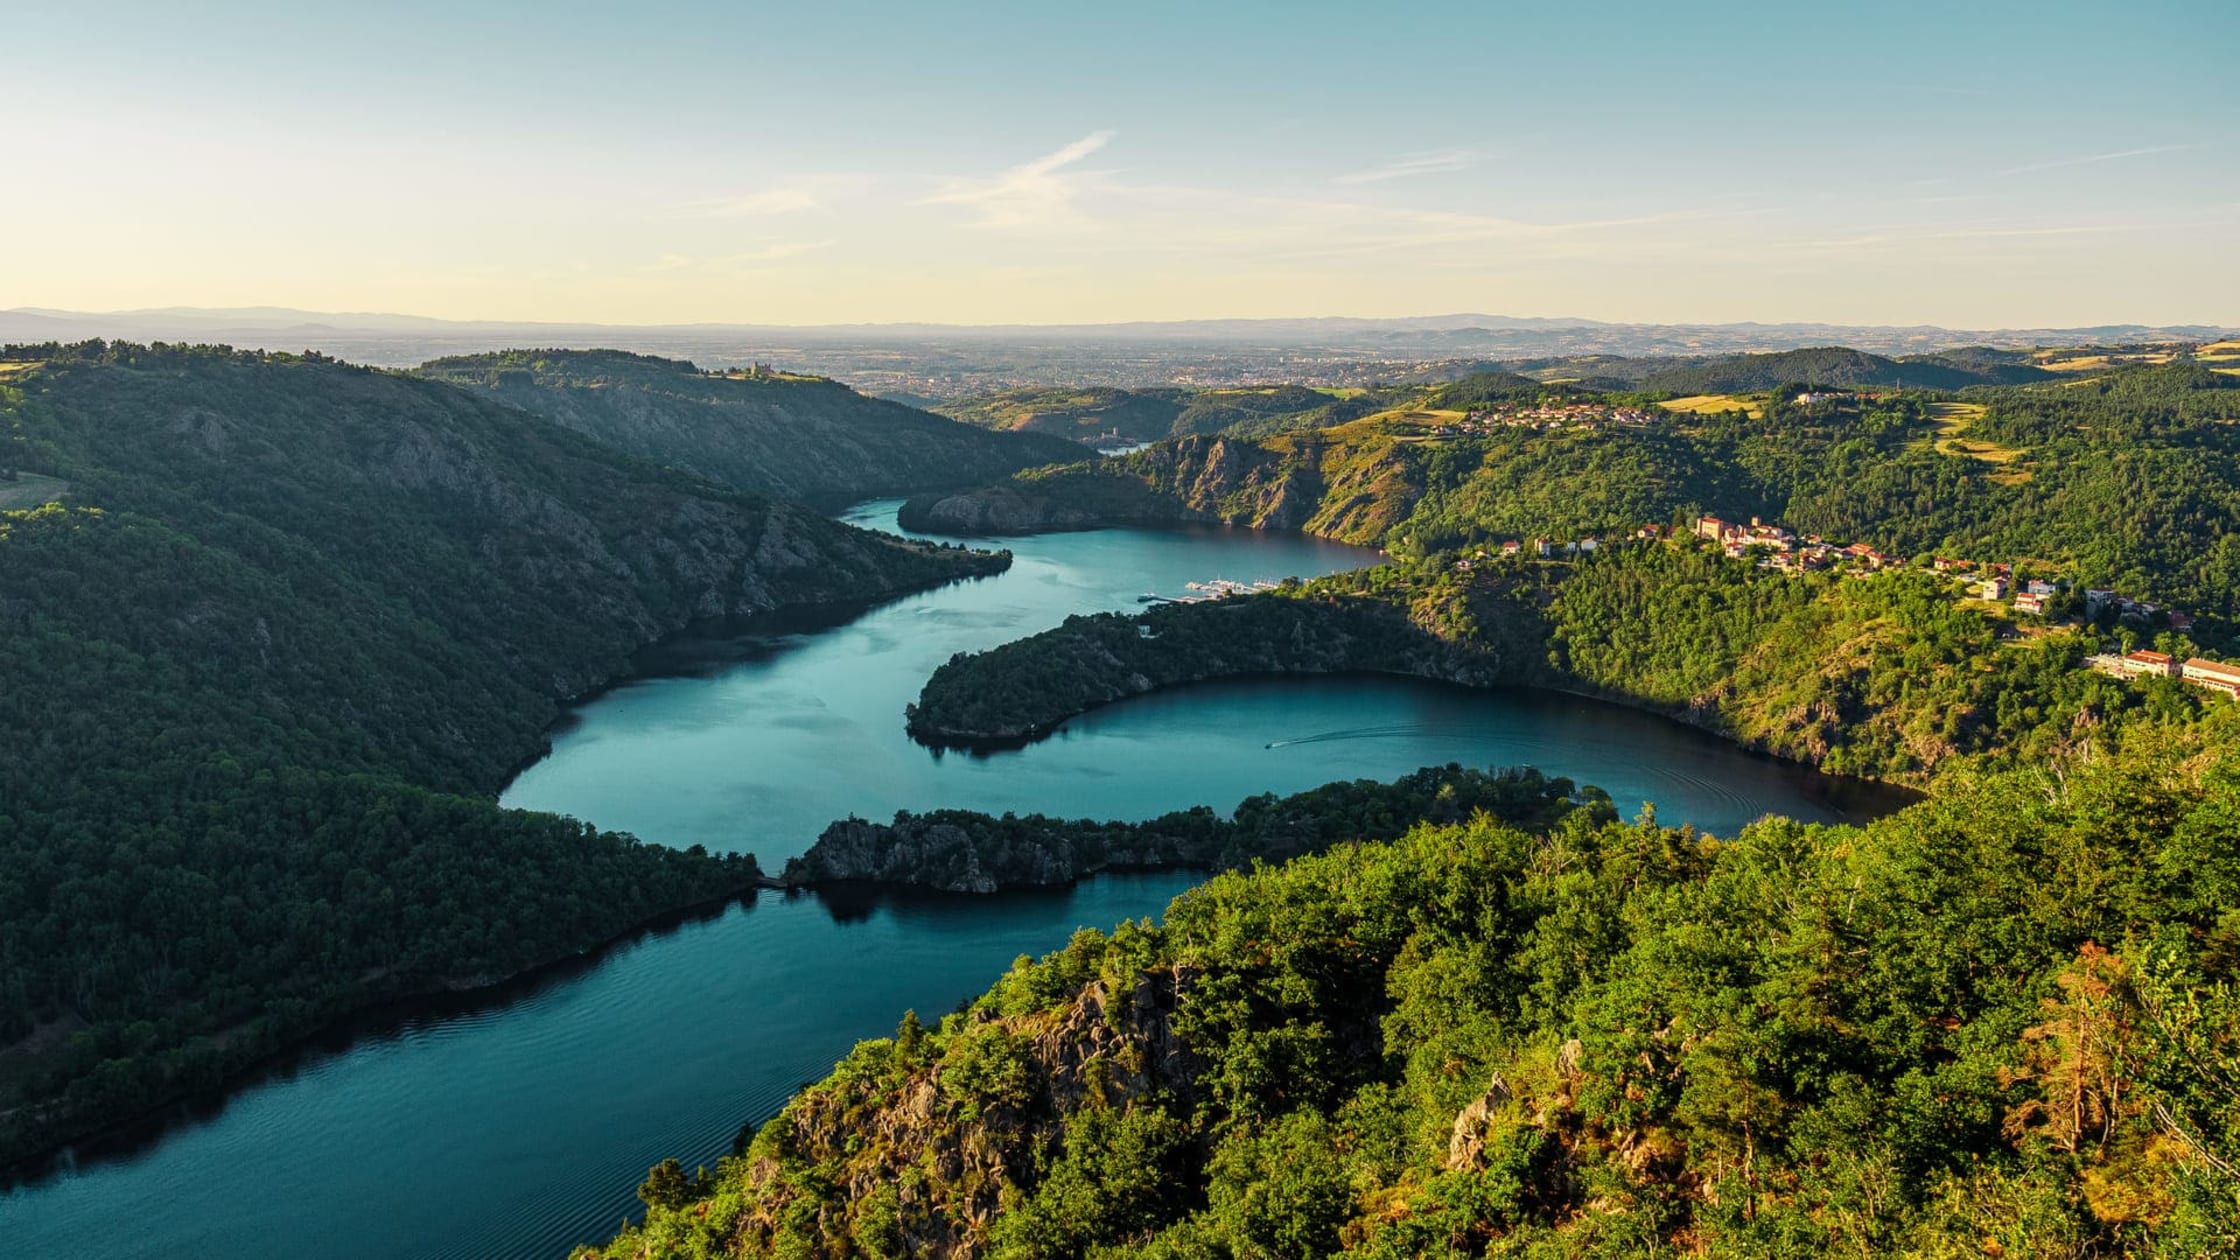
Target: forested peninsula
288, 628
962, 851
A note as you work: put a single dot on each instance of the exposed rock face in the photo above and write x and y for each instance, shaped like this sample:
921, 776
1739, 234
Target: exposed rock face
946, 1154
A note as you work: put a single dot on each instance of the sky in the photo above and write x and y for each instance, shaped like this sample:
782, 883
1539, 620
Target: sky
1970, 163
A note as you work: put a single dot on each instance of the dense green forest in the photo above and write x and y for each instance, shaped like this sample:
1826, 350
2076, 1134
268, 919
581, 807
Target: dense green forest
1887, 677
2004, 1022
262, 670
761, 432
2128, 480
959, 850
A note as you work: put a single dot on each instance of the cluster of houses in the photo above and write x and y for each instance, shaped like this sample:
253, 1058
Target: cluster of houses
1781, 549
2100, 600
1786, 551
1568, 548
1584, 416
1994, 581
2213, 675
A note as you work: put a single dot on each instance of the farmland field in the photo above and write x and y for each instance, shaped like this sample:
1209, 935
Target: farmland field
1713, 404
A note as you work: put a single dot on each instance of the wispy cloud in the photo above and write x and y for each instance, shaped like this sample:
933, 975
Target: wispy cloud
1031, 194
2092, 158
1436, 162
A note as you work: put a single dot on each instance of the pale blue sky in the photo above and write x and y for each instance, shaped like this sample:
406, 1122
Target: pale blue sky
1972, 164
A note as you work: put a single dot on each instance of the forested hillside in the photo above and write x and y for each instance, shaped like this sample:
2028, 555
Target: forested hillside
2001, 1023
292, 625
2129, 480
764, 433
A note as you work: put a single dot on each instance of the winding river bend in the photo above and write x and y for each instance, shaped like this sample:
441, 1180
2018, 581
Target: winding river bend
518, 1123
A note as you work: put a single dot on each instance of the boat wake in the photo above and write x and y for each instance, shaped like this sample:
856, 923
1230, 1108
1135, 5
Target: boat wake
1397, 731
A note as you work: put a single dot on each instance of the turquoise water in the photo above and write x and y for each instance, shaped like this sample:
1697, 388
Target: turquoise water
519, 1123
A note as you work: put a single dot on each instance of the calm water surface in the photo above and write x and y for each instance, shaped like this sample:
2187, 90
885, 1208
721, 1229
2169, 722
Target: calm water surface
519, 1124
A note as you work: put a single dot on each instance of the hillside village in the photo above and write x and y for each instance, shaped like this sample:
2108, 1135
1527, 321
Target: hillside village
1584, 417
2043, 598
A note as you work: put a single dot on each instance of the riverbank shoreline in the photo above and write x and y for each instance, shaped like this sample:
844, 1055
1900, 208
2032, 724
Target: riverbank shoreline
128, 1136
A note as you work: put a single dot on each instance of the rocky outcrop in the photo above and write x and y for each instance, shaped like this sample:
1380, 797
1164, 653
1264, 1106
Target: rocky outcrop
925, 1155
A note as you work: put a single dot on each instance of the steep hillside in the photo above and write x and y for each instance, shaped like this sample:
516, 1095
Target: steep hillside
772, 434
291, 625
2004, 1022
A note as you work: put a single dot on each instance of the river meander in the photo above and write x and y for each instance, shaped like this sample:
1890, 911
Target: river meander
518, 1123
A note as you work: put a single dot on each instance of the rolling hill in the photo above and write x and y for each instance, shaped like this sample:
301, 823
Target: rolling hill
1837, 366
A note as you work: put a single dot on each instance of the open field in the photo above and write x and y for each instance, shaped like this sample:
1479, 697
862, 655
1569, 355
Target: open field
1712, 404
29, 490
2219, 352
1393, 425
20, 368
1954, 419
2071, 361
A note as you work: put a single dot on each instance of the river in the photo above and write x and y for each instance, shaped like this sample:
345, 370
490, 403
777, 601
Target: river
518, 1123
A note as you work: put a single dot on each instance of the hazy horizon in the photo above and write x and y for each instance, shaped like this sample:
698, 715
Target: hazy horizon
2009, 166
1456, 320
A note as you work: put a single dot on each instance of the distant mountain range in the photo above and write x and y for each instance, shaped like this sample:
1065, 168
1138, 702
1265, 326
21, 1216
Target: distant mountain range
932, 361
